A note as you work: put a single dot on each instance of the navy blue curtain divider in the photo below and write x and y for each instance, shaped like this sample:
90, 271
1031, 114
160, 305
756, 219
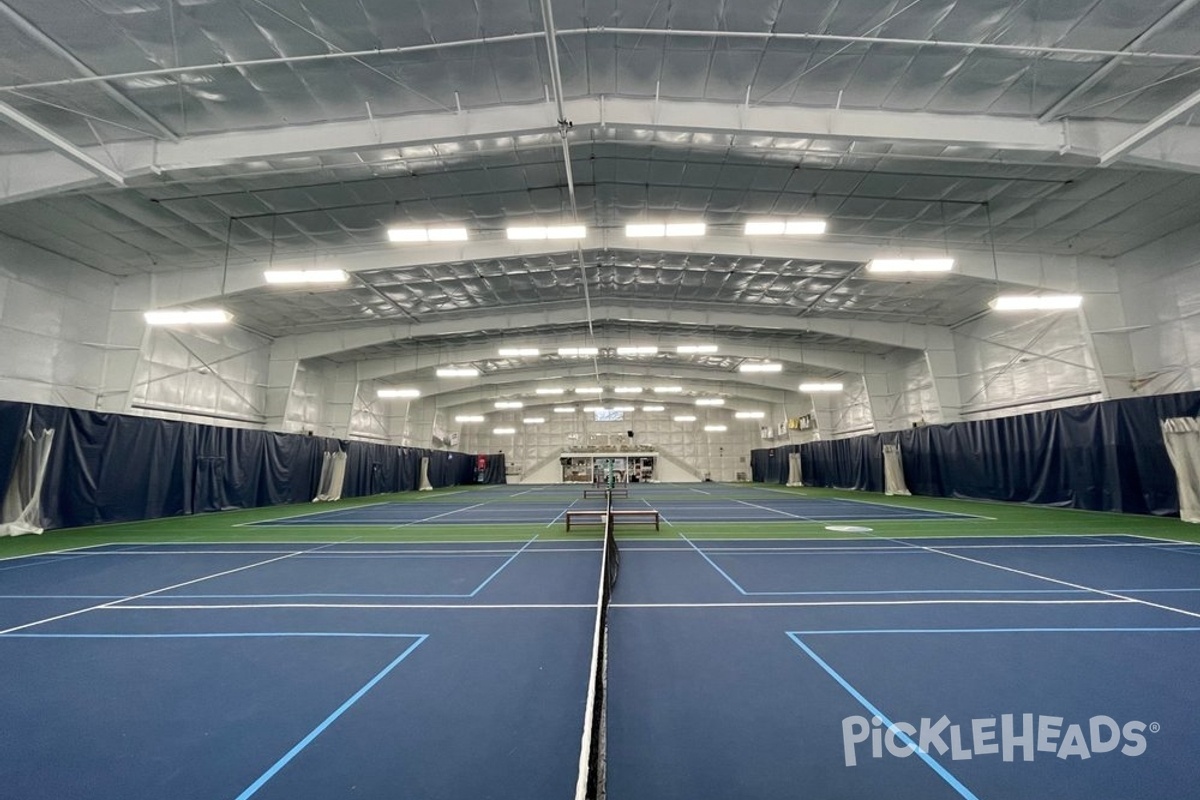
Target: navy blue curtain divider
13, 417
118, 468
495, 469
1106, 456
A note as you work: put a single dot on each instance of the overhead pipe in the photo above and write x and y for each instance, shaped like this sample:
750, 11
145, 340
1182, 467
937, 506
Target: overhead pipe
38, 35
564, 125
1028, 49
1164, 22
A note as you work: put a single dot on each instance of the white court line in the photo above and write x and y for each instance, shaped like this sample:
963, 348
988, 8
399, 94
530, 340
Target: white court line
660, 514
914, 508
1158, 539
72, 550
359, 554
564, 511
838, 603
701, 491
774, 511
368, 606
113, 603
257, 522
886, 550
1059, 581
443, 514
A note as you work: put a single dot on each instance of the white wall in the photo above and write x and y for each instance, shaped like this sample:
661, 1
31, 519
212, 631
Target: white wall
1160, 290
721, 455
217, 374
1018, 363
54, 316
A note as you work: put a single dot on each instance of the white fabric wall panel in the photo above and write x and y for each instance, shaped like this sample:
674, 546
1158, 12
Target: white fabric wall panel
306, 409
1018, 364
48, 308
219, 372
1166, 352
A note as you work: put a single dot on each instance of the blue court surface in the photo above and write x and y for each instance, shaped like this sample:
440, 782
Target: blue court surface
546, 505
1034, 667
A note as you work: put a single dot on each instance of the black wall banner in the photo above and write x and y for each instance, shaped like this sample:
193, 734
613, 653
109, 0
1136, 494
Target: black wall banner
1106, 456
118, 468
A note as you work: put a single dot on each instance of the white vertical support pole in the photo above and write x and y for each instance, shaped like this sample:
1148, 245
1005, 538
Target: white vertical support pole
340, 412
882, 401
942, 360
1102, 318
281, 378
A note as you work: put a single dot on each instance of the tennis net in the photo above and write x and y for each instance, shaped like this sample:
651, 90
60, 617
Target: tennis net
590, 784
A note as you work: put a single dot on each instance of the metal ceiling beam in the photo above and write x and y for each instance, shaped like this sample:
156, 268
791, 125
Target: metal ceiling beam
524, 386
720, 120
64, 147
894, 334
1164, 22
1151, 128
38, 35
820, 357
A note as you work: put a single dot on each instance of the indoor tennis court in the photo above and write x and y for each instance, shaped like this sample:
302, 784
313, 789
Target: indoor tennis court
277, 666
599, 399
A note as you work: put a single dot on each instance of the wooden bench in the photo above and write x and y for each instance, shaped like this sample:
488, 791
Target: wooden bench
643, 515
588, 517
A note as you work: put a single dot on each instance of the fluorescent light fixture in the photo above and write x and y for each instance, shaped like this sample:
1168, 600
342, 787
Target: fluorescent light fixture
519, 352
761, 367
504, 431
589, 390
645, 231
469, 418
654, 408
427, 234
820, 387
594, 409
536, 232
409, 393
695, 349
194, 316
911, 265
628, 389
657, 230
564, 409
285, 276
685, 418
578, 352
637, 350
710, 401
785, 227
457, 372
624, 408
716, 428
546, 391
668, 390
1044, 302
749, 415
534, 420
508, 404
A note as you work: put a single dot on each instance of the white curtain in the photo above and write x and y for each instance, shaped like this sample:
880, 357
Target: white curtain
1182, 438
893, 471
425, 485
333, 478
795, 478
22, 507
